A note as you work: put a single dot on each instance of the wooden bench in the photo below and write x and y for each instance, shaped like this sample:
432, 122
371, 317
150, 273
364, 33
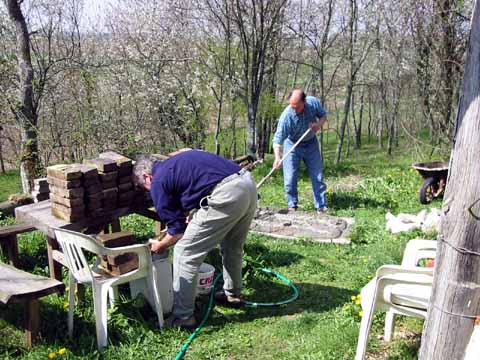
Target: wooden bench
8, 241
17, 286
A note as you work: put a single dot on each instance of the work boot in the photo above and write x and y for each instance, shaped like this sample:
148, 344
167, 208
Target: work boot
188, 324
323, 210
228, 300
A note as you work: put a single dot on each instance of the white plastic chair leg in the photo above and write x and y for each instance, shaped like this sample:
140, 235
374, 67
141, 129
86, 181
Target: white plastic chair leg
364, 331
155, 294
100, 299
389, 325
113, 295
72, 284
368, 306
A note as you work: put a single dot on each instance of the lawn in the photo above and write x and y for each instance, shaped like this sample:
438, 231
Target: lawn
322, 324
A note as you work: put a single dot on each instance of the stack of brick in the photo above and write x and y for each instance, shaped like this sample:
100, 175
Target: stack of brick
126, 193
108, 174
66, 192
40, 191
118, 264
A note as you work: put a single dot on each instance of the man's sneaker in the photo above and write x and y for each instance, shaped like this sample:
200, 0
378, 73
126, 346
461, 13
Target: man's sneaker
229, 301
189, 324
322, 210
290, 210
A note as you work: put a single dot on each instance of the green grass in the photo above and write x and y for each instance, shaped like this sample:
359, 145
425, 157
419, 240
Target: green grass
9, 184
322, 324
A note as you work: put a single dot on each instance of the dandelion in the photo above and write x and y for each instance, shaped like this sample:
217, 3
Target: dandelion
357, 302
353, 297
359, 297
52, 355
62, 351
360, 313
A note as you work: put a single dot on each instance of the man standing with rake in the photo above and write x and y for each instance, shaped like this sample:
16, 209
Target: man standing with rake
304, 113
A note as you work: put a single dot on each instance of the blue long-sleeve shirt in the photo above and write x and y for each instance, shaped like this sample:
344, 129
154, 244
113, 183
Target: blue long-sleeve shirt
292, 125
179, 183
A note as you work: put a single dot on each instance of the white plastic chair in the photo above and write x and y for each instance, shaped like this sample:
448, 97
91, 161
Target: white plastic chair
404, 290
415, 250
73, 245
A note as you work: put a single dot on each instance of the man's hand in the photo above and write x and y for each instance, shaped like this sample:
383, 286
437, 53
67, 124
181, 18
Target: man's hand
317, 126
160, 245
157, 246
277, 163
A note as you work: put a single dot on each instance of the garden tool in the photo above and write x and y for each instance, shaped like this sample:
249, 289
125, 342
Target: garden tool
283, 158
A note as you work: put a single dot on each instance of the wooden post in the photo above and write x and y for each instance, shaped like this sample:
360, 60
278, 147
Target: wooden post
10, 248
455, 298
32, 321
116, 225
54, 266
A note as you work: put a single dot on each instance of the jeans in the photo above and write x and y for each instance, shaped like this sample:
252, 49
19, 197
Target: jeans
225, 221
309, 152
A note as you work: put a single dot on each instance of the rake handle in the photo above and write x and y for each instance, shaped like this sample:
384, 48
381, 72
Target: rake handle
283, 158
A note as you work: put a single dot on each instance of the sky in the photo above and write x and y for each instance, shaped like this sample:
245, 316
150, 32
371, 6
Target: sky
96, 10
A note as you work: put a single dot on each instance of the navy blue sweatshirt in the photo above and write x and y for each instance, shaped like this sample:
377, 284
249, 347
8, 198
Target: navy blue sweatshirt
179, 183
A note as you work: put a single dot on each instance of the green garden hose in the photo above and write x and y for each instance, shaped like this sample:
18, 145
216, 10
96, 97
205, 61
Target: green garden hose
211, 302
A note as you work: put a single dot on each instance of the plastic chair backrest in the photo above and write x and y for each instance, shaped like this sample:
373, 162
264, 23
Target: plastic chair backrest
72, 244
417, 250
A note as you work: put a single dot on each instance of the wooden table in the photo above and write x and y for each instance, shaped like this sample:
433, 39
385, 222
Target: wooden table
19, 286
39, 215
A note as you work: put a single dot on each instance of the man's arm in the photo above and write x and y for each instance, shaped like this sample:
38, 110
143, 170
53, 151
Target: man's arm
160, 245
277, 150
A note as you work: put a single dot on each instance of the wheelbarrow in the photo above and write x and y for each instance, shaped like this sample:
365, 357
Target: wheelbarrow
434, 176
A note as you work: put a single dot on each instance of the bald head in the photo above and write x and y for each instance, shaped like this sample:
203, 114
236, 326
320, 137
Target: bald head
297, 100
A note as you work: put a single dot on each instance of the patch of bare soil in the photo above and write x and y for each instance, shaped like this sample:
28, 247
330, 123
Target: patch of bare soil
384, 351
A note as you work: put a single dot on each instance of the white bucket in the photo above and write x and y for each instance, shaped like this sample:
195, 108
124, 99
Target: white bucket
206, 273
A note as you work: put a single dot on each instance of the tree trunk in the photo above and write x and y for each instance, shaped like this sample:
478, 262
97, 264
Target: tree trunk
25, 112
456, 289
2, 163
341, 133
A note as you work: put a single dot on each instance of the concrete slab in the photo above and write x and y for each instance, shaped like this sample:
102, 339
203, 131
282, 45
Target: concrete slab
320, 228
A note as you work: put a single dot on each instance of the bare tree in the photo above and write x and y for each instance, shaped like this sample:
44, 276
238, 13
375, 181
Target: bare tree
25, 112
256, 24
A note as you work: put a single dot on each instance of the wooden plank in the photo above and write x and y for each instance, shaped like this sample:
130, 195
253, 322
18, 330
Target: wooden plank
125, 187
109, 184
125, 179
18, 285
6, 231
31, 321
64, 172
117, 239
122, 161
64, 184
65, 201
103, 165
88, 172
108, 177
59, 257
94, 189
68, 193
